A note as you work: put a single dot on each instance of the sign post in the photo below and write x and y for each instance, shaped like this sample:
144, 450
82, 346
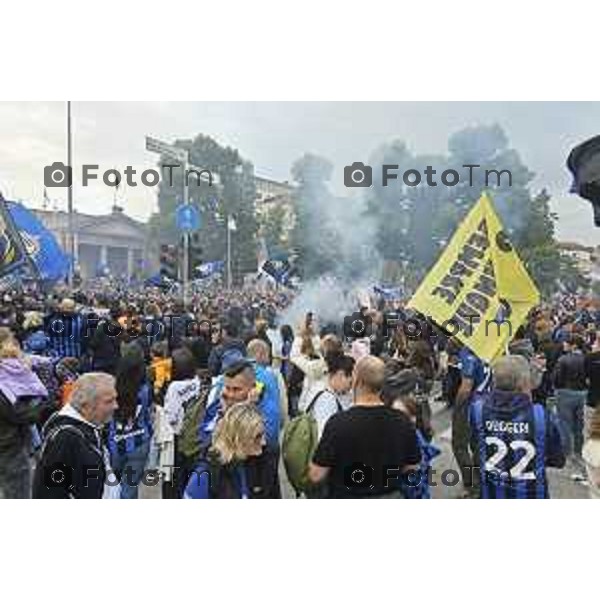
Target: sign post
181, 155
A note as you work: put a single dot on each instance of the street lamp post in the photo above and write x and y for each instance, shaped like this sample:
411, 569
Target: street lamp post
181, 155
186, 241
228, 252
70, 197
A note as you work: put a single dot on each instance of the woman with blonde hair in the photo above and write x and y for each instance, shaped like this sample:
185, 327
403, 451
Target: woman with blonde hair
22, 405
238, 436
591, 455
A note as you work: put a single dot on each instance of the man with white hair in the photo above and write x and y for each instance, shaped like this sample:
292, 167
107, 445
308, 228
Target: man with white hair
513, 439
74, 462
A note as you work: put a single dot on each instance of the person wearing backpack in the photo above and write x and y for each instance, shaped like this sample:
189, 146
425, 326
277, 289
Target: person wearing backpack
130, 431
24, 405
334, 398
359, 445
184, 388
302, 434
74, 462
224, 474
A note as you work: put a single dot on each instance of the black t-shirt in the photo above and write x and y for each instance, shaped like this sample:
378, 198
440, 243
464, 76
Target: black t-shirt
379, 437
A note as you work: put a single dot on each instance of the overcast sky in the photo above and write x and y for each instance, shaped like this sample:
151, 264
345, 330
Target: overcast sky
274, 134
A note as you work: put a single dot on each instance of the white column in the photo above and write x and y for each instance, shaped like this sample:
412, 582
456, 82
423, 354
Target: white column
76, 246
103, 255
129, 263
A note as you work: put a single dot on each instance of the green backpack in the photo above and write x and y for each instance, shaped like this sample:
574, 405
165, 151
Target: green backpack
189, 438
300, 439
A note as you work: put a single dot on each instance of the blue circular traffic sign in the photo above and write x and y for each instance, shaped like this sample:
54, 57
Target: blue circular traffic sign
187, 218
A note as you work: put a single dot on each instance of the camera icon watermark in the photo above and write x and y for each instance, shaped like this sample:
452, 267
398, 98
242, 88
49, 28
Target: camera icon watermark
357, 325
358, 175
358, 476
58, 175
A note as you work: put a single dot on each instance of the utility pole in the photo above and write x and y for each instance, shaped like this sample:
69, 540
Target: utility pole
181, 155
70, 196
186, 240
228, 253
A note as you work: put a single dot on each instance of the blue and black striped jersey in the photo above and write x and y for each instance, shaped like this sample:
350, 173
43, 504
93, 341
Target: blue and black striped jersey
472, 367
514, 440
66, 334
124, 438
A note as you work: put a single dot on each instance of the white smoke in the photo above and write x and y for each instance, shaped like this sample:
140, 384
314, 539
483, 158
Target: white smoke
346, 230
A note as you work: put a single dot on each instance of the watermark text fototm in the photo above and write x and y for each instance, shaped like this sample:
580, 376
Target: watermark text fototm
168, 326
359, 476
360, 175
360, 325
60, 475
60, 175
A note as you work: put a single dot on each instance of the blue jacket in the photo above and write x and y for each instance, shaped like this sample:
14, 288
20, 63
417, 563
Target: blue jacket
268, 405
416, 485
218, 482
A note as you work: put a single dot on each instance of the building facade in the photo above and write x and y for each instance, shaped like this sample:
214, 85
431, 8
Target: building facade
124, 245
587, 258
115, 241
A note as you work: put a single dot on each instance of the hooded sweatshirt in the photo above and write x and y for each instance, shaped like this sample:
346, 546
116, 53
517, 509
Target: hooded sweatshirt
22, 406
74, 462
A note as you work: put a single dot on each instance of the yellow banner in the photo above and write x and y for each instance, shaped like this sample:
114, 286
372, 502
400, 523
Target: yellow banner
479, 289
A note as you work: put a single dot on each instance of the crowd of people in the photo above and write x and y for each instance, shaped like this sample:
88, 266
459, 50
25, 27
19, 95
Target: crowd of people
102, 393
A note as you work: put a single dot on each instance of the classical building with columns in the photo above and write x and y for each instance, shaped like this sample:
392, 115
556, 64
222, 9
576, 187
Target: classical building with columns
114, 240
124, 244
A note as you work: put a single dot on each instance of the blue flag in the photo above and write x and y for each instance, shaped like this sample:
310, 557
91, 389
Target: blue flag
280, 271
156, 280
209, 269
51, 262
389, 293
12, 251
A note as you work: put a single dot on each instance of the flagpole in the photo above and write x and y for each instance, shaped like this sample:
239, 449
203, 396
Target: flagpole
228, 252
70, 197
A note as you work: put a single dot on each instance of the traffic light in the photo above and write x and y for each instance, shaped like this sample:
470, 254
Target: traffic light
195, 254
168, 261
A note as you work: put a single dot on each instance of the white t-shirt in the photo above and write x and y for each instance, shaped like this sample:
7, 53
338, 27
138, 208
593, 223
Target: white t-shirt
179, 393
326, 405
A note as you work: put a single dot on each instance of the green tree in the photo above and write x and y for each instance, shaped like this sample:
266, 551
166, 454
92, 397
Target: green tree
416, 222
536, 245
272, 225
232, 193
570, 277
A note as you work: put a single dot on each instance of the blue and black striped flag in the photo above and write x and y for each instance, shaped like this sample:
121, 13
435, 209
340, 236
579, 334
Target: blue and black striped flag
12, 251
